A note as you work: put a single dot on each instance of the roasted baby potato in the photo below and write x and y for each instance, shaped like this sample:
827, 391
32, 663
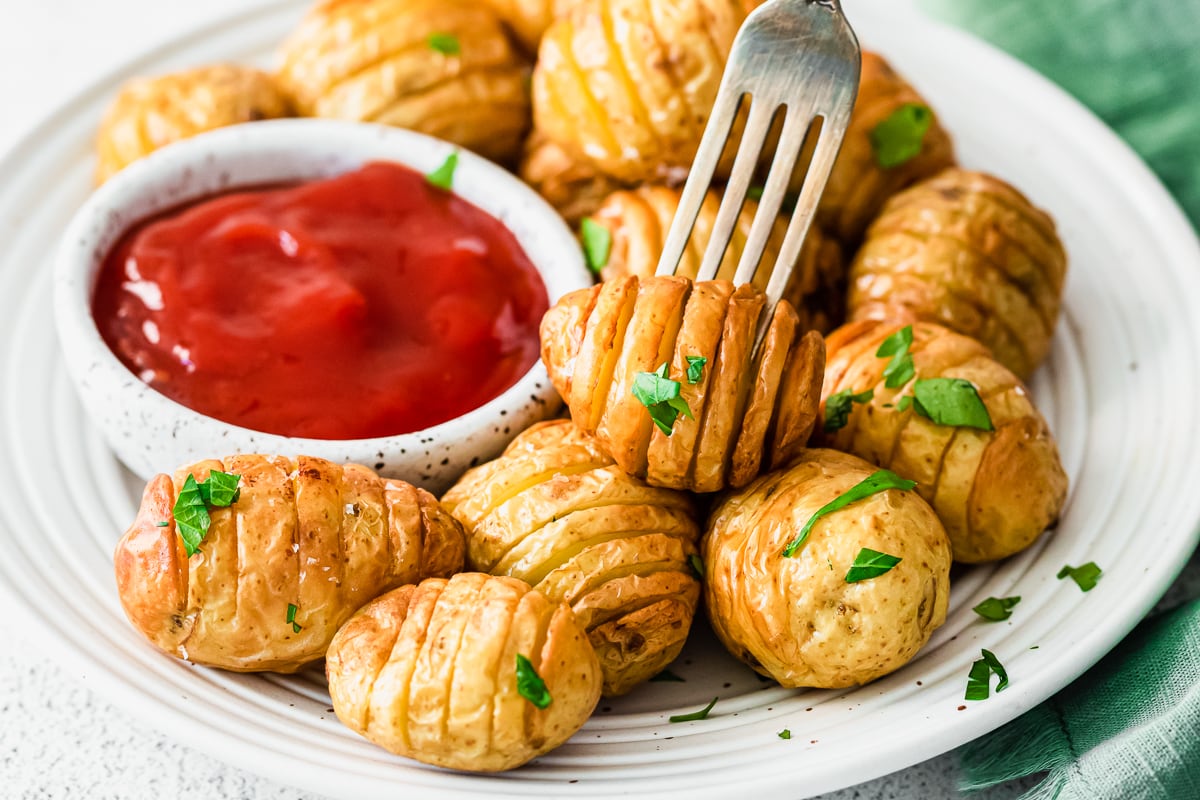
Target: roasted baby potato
744, 413
968, 251
433, 672
639, 220
996, 490
441, 67
797, 619
149, 113
555, 511
865, 174
528, 19
629, 84
572, 185
306, 541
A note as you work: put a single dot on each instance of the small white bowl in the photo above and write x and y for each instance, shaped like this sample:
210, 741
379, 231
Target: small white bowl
151, 433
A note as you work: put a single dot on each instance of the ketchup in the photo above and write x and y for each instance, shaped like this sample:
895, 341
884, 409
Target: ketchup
369, 304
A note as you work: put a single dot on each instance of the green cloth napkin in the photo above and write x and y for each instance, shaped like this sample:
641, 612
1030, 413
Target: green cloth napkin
1129, 729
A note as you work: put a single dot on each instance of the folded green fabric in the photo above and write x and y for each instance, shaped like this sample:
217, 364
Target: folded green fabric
1136, 63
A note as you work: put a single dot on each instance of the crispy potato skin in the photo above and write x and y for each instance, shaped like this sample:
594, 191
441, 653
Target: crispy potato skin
969, 251
858, 186
640, 218
556, 512
749, 412
629, 84
371, 60
572, 185
796, 619
428, 671
306, 532
995, 491
149, 113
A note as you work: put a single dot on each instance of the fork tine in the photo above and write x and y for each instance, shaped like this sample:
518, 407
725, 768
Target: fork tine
762, 112
796, 125
704, 166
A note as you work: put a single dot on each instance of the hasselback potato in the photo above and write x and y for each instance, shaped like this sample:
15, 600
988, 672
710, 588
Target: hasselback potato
572, 185
441, 67
744, 412
995, 490
555, 511
966, 250
873, 164
149, 113
528, 19
640, 218
433, 672
799, 619
305, 543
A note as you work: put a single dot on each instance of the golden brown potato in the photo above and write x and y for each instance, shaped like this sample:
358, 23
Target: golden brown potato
639, 220
572, 185
995, 491
149, 113
431, 672
748, 412
796, 619
306, 533
555, 511
859, 186
969, 251
441, 67
528, 19
629, 84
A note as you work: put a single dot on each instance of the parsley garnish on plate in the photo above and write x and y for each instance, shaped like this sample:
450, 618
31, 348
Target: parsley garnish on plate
785, 734
530, 685
1085, 576
443, 176
877, 482
291, 617
695, 368
899, 370
660, 395
870, 564
445, 43
839, 404
597, 244
195, 499
898, 138
696, 715
996, 609
980, 676
953, 402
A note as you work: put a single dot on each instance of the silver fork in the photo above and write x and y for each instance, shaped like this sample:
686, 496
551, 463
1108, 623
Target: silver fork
799, 56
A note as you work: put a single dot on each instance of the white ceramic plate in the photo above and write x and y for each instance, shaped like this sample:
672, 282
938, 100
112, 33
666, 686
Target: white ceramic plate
1119, 391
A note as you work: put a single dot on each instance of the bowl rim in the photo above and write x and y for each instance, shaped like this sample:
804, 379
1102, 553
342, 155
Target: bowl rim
332, 147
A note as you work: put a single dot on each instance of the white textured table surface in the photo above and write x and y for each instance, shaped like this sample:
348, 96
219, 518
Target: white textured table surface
58, 739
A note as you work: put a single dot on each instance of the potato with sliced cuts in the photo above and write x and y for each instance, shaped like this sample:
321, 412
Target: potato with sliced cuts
434, 672
441, 67
995, 490
555, 511
639, 219
804, 619
149, 113
744, 413
528, 19
305, 543
968, 251
569, 183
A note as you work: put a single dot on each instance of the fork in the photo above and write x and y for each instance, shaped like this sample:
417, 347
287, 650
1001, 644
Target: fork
795, 57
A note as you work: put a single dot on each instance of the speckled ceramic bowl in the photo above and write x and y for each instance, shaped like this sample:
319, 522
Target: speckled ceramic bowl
151, 433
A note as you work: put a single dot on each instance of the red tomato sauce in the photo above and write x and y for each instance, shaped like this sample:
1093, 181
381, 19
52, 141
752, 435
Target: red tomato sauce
369, 304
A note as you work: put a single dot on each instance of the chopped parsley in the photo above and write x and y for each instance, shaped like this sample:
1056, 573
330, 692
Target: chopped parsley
530, 685
696, 715
597, 244
898, 139
1085, 576
162, 523
877, 482
697, 565
445, 43
996, 609
953, 402
660, 395
291, 617
695, 368
870, 564
980, 676
785, 734
839, 404
195, 500
443, 176
899, 370
667, 676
